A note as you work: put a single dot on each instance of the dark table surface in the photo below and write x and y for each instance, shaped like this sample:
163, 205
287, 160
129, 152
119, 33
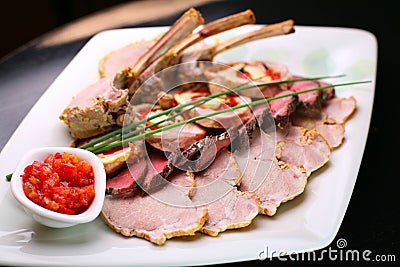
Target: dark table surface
370, 220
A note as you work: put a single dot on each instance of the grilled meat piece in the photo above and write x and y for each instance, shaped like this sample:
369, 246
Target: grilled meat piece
282, 108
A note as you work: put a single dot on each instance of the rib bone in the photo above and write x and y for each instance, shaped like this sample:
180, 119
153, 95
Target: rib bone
210, 29
189, 21
208, 54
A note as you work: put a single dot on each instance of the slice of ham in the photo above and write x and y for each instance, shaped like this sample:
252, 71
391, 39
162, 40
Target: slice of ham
330, 122
233, 211
228, 208
299, 146
340, 109
333, 132
283, 183
273, 181
143, 216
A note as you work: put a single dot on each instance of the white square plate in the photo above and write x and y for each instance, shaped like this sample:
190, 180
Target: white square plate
306, 223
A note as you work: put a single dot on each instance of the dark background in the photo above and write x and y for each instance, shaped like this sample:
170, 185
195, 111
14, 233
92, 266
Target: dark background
370, 221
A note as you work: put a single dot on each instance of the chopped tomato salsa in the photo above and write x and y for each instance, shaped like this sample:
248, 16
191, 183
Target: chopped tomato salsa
60, 183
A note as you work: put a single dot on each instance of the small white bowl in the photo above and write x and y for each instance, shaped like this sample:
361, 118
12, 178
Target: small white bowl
52, 218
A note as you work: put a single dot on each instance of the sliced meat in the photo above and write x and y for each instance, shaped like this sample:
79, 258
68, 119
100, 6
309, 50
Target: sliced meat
116, 60
126, 180
143, 216
282, 108
283, 183
177, 138
273, 181
330, 122
333, 132
340, 109
235, 76
299, 146
95, 109
228, 208
158, 169
233, 211
311, 101
226, 120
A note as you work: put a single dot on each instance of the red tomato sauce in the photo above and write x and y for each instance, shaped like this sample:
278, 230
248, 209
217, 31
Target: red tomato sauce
60, 183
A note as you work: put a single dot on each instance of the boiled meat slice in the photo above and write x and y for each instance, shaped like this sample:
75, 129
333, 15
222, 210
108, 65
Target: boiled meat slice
333, 132
340, 109
283, 183
273, 181
234, 210
330, 122
228, 208
299, 146
143, 216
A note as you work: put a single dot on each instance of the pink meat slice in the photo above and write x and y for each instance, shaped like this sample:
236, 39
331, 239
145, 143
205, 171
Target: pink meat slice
299, 146
333, 132
282, 108
311, 100
179, 137
234, 210
273, 181
283, 183
330, 122
340, 109
126, 180
143, 216
228, 208
123, 57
